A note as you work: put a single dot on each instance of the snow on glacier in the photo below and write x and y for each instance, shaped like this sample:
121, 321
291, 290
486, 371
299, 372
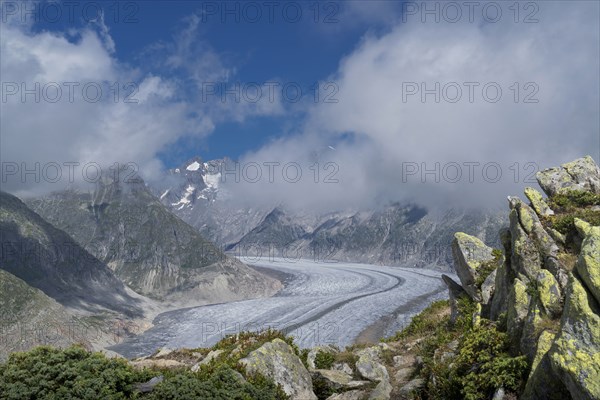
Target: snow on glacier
324, 303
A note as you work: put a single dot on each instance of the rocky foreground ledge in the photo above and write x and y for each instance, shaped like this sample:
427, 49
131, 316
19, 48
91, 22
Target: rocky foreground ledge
523, 323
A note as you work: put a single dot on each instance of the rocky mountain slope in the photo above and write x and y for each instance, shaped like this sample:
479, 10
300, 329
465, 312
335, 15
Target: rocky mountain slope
393, 235
48, 259
151, 250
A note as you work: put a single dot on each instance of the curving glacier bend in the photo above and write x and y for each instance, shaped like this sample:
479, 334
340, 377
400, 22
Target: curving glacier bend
322, 303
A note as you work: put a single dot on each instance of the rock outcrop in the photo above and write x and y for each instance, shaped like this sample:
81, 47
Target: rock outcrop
550, 306
276, 360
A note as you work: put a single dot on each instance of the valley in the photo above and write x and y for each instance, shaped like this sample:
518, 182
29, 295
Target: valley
321, 303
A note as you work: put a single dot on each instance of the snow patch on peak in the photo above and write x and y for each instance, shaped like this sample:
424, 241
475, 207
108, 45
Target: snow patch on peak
193, 166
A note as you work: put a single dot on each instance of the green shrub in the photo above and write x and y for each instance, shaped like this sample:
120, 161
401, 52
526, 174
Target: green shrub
223, 384
72, 373
483, 364
423, 323
324, 360
571, 199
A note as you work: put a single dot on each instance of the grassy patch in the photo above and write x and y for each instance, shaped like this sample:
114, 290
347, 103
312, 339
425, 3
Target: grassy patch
424, 323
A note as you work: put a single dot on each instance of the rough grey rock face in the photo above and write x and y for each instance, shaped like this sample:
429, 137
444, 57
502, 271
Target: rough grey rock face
581, 174
152, 251
277, 361
349, 395
575, 354
337, 380
369, 364
48, 259
588, 264
469, 254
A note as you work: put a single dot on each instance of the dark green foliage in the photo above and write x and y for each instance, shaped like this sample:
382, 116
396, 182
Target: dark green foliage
571, 199
569, 205
481, 362
73, 373
223, 384
324, 360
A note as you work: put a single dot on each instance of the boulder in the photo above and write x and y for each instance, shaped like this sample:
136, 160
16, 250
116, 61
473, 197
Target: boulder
542, 382
209, 357
349, 395
525, 255
382, 391
160, 363
581, 174
148, 387
344, 367
537, 202
517, 309
588, 264
277, 360
469, 253
336, 380
549, 293
411, 387
369, 364
501, 289
575, 354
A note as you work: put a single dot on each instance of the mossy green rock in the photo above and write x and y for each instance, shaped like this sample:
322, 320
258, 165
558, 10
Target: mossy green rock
543, 382
588, 264
549, 293
469, 254
277, 360
517, 309
537, 201
575, 355
525, 255
581, 174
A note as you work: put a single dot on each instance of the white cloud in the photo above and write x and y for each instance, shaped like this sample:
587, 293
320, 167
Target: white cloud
559, 55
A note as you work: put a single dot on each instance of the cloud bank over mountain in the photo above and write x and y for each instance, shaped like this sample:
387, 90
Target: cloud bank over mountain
438, 112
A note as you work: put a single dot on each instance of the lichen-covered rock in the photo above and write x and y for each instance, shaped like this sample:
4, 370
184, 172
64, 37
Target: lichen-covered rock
344, 367
542, 382
525, 256
411, 388
537, 202
529, 338
369, 364
517, 309
581, 174
382, 391
455, 292
469, 254
575, 354
549, 293
336, 380
501, 289
588, 264
277, 360
214, 354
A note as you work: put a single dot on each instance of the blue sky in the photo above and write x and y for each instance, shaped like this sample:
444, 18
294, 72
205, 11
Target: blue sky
544, 59
272, 48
